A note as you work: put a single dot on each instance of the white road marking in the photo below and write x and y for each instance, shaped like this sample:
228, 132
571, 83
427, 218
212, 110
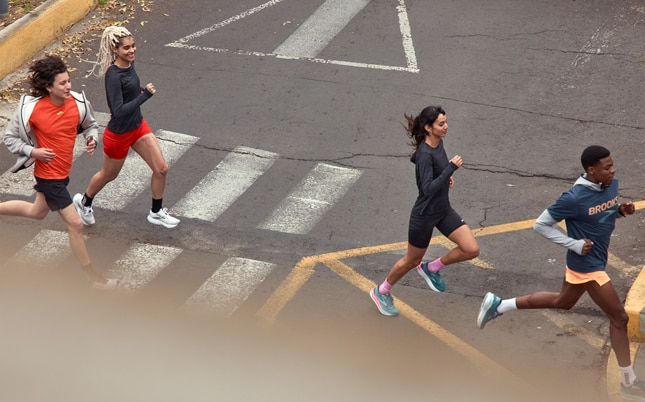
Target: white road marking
404, 27
229, 286
140, 264
47, 249
320, 28
135, 174
311, 199
225, 184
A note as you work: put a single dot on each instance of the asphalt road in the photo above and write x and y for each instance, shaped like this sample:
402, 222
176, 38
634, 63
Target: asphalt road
526, 85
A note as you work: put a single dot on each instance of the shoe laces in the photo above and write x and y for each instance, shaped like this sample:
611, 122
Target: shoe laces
87, 210
387, 298
163, 213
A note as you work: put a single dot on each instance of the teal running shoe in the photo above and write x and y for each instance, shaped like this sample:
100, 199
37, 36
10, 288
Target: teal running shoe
385, 303
635, 392
488, 309
432, 279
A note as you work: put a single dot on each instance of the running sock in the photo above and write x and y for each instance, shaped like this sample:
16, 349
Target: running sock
435, 265
87, 200
385, 288
156, 205
507, 305
627, 375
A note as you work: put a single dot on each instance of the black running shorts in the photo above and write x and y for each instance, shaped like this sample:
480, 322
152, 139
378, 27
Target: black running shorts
55, 192
421, 226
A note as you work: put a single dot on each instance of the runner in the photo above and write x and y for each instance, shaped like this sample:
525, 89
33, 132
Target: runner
126, 128
431, 209
43, 130
590, 209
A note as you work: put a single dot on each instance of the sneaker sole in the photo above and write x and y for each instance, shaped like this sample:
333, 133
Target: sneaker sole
378, 305
489, 298
160, 223
428, 281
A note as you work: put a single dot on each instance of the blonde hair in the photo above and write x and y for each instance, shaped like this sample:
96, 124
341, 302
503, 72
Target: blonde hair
111, 37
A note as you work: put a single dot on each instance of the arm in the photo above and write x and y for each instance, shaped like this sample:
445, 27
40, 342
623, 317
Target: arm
90, 127
544, 226
15, 138
429, 184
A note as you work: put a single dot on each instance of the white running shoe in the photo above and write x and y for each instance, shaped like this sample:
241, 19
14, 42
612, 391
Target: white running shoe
163, 218
86, 213
109, 284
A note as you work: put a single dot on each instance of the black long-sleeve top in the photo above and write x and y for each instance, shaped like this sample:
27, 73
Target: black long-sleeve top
124, 97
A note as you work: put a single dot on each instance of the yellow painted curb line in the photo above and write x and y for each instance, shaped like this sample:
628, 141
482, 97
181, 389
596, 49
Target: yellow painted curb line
24, 38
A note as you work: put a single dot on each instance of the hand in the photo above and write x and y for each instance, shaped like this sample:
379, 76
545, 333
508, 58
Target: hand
151, 88
452, 182
587, 247
627, 208
457, 160
91, 146
43, 154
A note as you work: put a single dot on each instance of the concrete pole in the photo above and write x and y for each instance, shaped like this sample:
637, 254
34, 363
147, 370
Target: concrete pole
4, 8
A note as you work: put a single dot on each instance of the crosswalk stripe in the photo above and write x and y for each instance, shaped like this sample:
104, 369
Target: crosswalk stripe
140, 264
135, 175
47, 249
301, 210
225, 184
320, 28
229, 286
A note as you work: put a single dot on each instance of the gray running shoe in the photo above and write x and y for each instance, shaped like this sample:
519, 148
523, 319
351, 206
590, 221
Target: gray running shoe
488, 309
385, 303
163, 218
86, 213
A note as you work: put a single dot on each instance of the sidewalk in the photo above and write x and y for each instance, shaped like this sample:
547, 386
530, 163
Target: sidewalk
30, 34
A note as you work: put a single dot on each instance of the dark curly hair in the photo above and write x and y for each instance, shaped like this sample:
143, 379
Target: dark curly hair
43, 72
416, 125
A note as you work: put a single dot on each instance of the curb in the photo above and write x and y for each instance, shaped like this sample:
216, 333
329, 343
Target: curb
25, 37
634, 306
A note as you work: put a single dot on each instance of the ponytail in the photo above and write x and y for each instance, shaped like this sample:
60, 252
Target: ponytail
416, 125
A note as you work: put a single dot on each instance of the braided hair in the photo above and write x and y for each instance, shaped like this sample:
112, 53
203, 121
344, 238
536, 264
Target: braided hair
111, 37
416, 125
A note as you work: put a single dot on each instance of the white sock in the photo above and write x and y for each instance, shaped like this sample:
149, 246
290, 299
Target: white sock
627, 375
506, 305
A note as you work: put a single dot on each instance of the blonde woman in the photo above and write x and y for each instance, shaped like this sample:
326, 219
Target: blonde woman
126, 128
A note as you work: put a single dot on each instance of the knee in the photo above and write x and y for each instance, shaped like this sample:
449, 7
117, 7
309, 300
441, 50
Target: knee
620, 320
162, 171
76, 228
472, 252
40, 215
564, 305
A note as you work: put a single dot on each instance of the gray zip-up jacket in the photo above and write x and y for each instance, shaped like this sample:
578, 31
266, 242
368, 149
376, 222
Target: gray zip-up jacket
20, 137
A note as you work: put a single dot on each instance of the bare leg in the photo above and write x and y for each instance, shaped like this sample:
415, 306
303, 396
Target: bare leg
566, 299
148, 148
411, 259
34, 210
607, 299
77, 243
109, 171
467, 247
